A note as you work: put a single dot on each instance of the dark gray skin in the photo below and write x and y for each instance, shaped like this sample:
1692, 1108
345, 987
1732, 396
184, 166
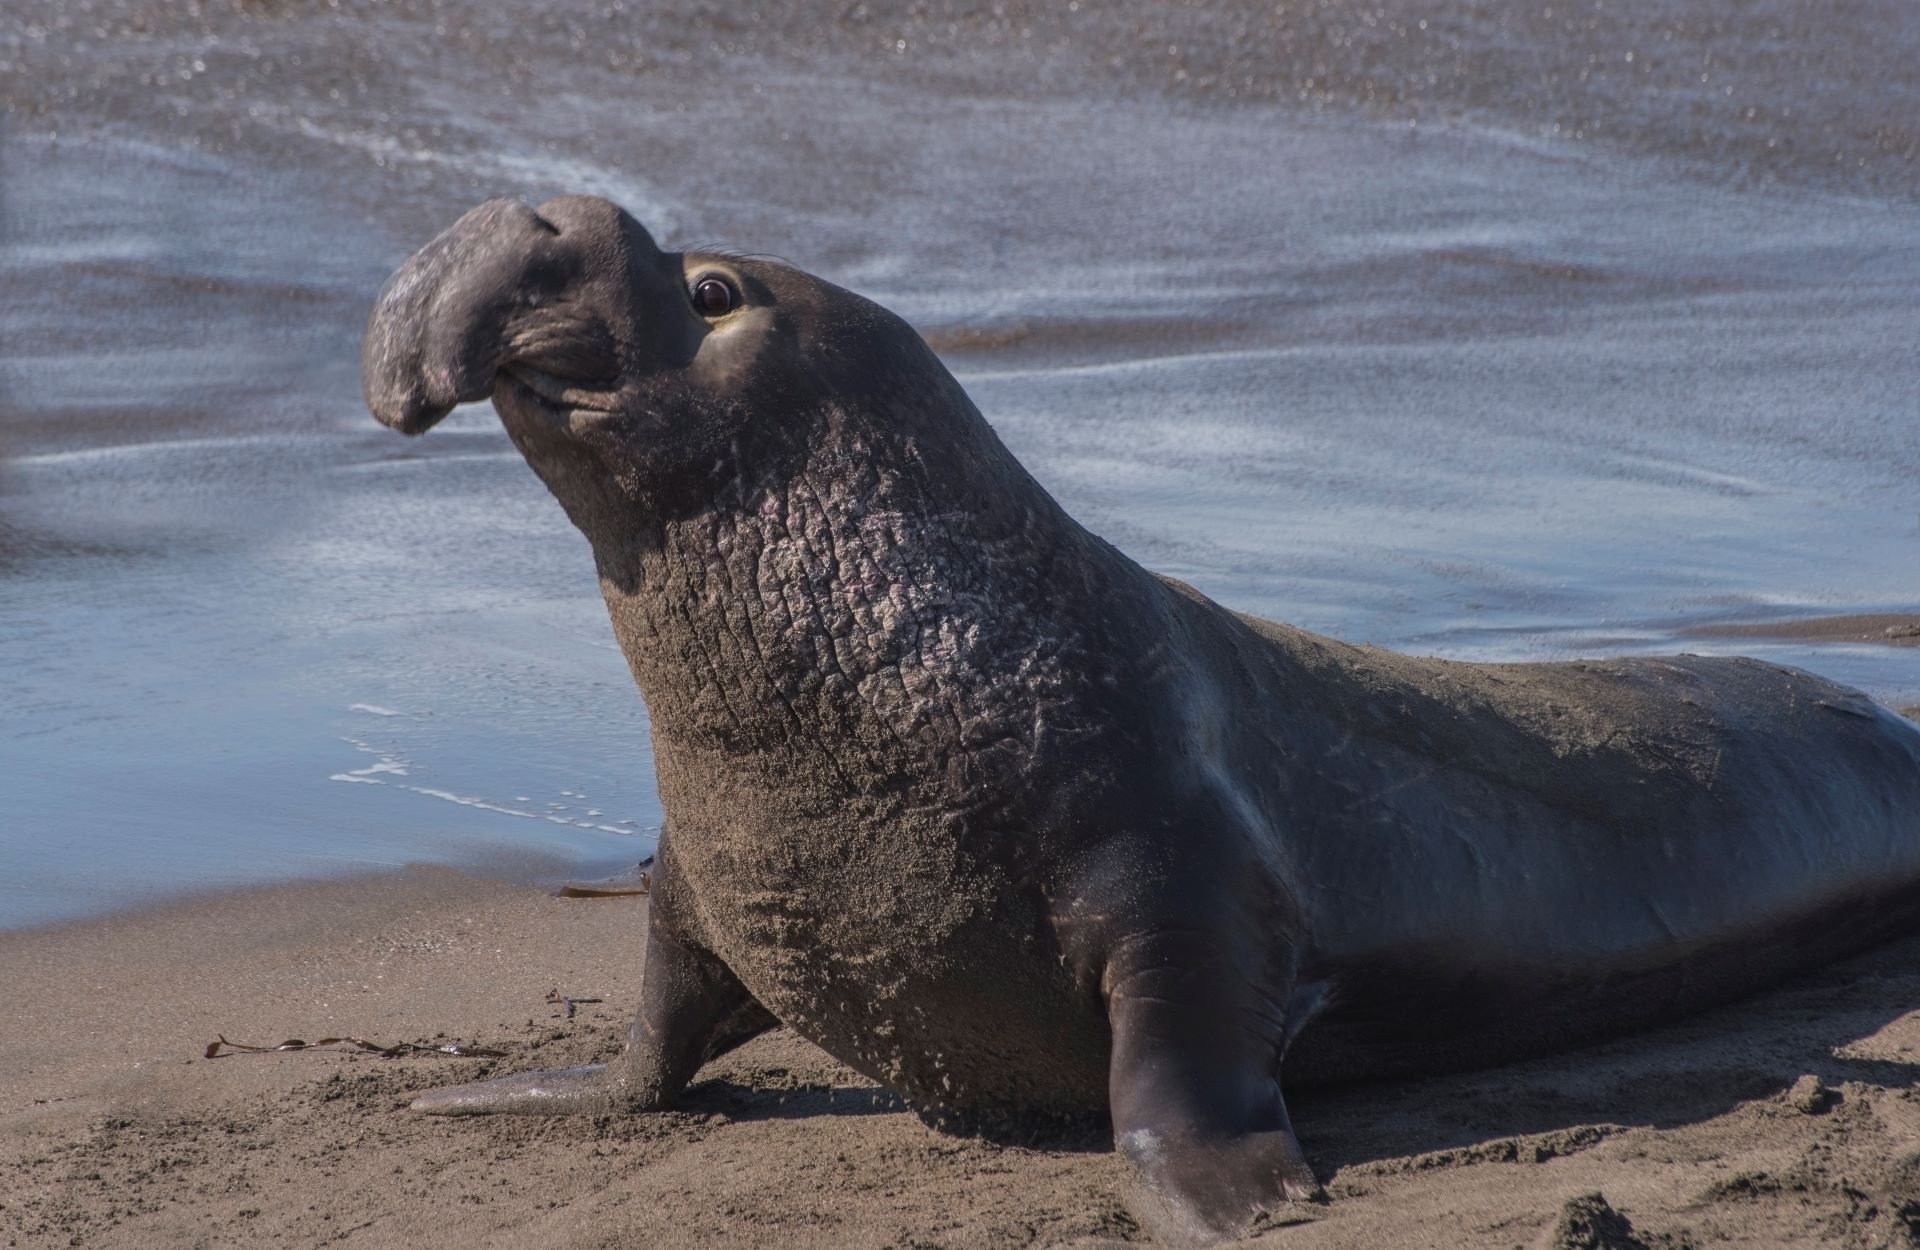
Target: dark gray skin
1022, 831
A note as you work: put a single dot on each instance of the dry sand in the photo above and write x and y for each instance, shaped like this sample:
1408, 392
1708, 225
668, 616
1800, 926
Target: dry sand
1793, 1119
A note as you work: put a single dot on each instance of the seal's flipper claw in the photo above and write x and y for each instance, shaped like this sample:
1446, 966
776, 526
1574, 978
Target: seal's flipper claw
1204, 1190
564, 1091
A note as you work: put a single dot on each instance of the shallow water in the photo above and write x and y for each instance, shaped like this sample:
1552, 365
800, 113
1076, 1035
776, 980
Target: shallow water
1470, 339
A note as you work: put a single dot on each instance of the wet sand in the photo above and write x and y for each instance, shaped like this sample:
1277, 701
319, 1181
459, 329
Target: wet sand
1792, 1119
1889, 628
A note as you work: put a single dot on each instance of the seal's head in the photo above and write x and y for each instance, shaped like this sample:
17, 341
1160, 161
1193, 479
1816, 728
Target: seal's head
630, 377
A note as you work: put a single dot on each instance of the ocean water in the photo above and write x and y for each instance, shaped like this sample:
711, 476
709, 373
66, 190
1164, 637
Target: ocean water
1490, 330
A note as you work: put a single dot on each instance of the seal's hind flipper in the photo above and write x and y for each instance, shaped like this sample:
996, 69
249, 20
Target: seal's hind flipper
565, 1091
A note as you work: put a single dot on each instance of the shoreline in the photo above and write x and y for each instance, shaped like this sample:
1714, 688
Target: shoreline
1890, 629
117, 1132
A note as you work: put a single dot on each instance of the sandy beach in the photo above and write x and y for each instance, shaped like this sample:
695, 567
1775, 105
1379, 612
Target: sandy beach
1791, 1119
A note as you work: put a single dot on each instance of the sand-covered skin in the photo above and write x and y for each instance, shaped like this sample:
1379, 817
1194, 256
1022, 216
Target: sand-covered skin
115, 1132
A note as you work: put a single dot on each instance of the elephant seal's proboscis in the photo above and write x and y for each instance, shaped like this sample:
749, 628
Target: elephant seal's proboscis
1022, 831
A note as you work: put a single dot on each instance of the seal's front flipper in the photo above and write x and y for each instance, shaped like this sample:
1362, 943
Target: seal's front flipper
692, 1009
1208, 1187
562, 1092
1195, 1091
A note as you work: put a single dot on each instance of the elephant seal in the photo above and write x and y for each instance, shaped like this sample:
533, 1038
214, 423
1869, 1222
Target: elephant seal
1020, 830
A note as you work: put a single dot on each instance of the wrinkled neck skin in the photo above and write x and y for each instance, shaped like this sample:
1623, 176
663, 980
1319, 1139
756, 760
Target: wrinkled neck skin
899, 616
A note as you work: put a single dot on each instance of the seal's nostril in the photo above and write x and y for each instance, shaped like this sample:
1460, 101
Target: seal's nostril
543, 223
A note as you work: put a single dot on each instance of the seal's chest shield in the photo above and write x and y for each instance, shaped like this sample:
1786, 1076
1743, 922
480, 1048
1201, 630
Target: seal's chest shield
902, 959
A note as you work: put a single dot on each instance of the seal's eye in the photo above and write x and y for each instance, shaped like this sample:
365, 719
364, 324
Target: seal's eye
713, 296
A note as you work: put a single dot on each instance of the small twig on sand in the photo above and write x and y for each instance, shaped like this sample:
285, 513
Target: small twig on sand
558, 999
221, 1046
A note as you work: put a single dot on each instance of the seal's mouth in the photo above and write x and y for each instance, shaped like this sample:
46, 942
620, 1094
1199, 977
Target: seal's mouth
557, 395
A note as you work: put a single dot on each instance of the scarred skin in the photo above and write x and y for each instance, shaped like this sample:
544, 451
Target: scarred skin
1022, 831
